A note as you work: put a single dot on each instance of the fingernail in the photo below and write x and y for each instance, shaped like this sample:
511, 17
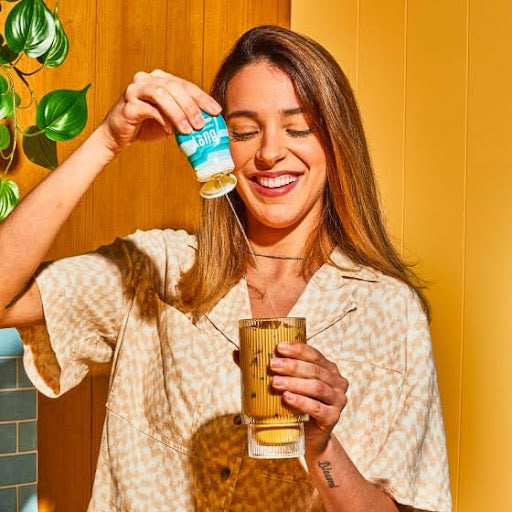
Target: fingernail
185, 127
290, 397
214, 106
284, 347
278, 382
276, 363
199, 121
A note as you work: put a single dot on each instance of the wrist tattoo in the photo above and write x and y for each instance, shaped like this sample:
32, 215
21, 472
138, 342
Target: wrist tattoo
326, 468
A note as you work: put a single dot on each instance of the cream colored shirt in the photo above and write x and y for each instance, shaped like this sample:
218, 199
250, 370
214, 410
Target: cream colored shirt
172, 439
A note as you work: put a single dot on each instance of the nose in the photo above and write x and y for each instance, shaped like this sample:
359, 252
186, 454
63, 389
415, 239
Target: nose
270, 151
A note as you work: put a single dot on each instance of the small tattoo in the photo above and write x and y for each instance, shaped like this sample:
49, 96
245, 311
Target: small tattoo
326, 468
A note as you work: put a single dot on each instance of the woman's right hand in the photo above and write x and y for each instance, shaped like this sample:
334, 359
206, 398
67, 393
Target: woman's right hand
153, 106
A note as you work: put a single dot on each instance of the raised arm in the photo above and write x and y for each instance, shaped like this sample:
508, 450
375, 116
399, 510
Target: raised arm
153, 105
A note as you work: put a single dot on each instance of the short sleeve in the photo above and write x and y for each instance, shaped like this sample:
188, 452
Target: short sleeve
413, 465
86, 300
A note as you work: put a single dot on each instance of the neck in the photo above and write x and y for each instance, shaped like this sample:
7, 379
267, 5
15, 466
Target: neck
285, 242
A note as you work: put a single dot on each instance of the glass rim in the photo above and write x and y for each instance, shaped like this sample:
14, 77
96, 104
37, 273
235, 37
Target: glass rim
244, 322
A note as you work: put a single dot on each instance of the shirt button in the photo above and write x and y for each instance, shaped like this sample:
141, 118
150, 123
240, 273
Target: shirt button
237, 420
224, 473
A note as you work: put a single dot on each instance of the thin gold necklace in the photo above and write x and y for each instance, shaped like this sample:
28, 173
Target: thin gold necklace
294, 258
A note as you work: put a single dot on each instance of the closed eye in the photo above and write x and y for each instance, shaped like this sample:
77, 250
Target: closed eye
242, 136
300, 133
236, 136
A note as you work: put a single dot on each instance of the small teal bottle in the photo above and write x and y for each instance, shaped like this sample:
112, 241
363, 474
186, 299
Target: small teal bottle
207, 151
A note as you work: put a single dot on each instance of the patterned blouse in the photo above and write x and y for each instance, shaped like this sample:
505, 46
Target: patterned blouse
173, 439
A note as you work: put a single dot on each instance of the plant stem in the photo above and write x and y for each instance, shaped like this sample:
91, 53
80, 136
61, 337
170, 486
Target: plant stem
15, 125
26, 133
32, 99
22, 78
20, 72
18, 58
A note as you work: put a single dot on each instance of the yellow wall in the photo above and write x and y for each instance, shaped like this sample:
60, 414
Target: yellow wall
433, 80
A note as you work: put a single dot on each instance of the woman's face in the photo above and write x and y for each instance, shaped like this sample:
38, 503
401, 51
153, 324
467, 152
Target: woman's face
279, 162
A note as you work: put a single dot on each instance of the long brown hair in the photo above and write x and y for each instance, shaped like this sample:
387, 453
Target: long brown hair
352, 217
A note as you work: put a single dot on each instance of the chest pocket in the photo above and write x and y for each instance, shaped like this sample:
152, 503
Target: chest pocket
158, 376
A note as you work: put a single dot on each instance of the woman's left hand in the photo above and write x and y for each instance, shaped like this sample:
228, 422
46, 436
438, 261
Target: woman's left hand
313, 385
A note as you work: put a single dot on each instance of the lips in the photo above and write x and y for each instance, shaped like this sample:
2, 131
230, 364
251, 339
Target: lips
274, 183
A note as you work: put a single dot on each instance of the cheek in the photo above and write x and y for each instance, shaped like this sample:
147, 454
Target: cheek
240, 154
318, 154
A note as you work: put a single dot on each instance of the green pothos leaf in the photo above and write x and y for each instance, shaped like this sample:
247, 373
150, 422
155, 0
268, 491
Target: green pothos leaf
62, 114
40, 149
8, 100
30, 28
5, 137
7, 55
9, 197
58, 51
3, 84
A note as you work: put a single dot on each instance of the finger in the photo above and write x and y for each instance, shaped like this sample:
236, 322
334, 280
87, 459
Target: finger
187, 104
309, 387
304, 352
303, 369
137, 111
160, 97
204, 100
322, 413
161, 74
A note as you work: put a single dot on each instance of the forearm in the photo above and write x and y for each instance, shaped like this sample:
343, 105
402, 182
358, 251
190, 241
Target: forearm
27, 234
341, 486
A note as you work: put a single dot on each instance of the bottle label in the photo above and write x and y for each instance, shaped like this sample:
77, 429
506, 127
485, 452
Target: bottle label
208, 149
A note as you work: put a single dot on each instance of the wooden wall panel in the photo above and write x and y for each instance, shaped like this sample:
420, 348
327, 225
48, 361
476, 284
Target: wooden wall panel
181, 204
226, 20
381, 88
434, 195
129, 192
333, 23
486, 421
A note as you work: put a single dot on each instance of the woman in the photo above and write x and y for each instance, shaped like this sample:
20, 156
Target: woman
164, 304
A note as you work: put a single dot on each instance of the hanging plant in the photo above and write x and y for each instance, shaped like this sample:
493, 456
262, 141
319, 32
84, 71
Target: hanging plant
32, 31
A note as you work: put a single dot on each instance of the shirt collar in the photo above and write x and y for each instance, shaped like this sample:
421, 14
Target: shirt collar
324, 301
328, 277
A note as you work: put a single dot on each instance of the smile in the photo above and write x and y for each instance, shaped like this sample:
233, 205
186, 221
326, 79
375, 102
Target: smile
280, 181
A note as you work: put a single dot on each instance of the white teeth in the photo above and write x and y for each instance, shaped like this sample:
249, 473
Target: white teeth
280, 181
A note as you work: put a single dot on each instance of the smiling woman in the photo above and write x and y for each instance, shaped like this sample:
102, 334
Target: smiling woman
290, 109
164, 305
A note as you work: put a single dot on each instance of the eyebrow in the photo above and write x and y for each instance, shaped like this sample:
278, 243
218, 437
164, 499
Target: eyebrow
253, 114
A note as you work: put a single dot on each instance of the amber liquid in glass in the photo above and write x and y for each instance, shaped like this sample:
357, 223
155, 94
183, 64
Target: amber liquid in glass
273, 423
